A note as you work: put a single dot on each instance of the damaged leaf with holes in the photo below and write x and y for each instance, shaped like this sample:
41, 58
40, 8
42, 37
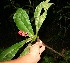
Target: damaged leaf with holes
39, 19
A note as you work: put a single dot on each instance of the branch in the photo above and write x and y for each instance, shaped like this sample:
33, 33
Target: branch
50, 48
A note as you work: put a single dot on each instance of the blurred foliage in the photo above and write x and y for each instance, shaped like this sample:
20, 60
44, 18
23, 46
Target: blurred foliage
55, 30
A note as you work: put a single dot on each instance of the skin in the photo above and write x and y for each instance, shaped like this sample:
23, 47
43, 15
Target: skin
32, 57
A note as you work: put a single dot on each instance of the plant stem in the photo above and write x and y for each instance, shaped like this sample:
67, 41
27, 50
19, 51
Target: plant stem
50, 48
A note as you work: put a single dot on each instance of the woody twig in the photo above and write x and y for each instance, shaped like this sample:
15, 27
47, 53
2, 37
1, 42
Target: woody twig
50, 48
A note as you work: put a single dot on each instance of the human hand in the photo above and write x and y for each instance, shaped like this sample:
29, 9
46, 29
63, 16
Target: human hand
36, 50
32, 57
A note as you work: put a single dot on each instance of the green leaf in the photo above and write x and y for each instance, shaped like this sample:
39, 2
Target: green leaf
26, 50
67, 55
9, 53
40, 18
22, 21
48, 59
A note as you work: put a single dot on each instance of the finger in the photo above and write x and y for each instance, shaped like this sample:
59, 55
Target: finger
42, 49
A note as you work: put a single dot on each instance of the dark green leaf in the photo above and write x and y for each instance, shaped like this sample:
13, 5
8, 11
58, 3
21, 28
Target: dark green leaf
22, 21
9, 53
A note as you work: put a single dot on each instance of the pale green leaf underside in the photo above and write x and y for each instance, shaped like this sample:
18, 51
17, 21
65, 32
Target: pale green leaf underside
9, 53
22, 21
26, 51
40, 18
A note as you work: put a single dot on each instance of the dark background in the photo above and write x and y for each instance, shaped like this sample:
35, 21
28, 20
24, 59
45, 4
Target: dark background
55, 30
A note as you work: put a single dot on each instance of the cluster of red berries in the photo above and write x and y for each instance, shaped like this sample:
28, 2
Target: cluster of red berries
22, 33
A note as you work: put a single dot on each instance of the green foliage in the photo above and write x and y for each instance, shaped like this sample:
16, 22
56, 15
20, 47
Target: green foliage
57, 25
62, 62
22, 21
48, 59
26, 50
40, 18
9, 53
67, 55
